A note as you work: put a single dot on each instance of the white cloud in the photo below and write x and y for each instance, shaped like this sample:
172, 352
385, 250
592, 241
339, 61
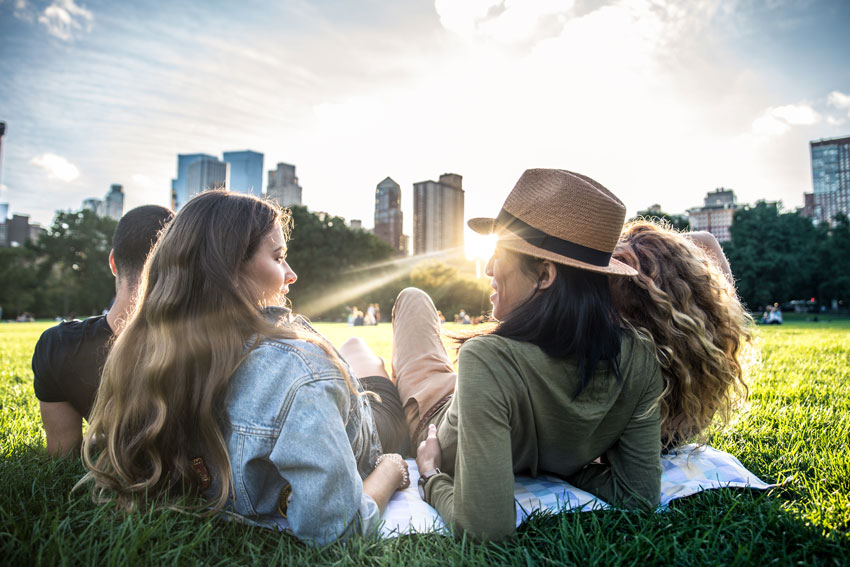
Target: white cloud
56, 167
22, 11
839, 100
507, 21
777, 120
143, 181
63, 17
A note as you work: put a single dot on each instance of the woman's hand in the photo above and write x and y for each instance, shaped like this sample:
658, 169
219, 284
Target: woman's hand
390, 474
429, 455
395, 466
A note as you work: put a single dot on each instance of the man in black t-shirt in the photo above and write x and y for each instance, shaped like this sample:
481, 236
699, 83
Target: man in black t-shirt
68, 358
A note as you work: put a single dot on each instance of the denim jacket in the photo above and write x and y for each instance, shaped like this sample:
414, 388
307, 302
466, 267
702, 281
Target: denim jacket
295, 432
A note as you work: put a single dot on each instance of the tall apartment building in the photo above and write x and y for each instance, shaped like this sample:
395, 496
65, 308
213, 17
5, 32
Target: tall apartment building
17, 230
179, 192
283, 186
4, 213
113, 204
716, 214
246, 171
830, 179
388, 215
438, 214
204, 174
93, 204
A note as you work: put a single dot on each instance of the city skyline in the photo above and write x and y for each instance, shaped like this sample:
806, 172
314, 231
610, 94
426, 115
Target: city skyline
660, 101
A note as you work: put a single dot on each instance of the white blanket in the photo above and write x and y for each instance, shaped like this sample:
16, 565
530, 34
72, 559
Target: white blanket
686, 471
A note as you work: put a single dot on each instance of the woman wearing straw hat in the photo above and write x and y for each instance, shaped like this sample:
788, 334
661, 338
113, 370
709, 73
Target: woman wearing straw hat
554, 386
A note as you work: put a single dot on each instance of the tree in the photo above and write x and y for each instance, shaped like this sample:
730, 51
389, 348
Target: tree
73, 264
772, 255
326, 255
450, 291
833, 261
18, 280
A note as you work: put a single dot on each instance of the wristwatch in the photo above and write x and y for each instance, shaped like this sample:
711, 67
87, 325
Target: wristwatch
423, 480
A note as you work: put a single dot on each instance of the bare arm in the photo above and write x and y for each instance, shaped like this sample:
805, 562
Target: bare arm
63, 427
709, 243
384, 481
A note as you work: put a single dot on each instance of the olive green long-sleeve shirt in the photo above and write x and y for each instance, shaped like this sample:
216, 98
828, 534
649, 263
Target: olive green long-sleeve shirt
514, 411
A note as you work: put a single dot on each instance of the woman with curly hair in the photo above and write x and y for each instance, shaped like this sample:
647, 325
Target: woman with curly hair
216, 397
684, 299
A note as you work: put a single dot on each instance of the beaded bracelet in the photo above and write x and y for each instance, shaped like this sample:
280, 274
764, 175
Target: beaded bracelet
396, 458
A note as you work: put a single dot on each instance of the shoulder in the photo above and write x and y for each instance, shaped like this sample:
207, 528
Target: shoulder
489, 344
64, 339
276, 366
294, 354
274, 374
490, 357
638, 359
76, 330
637, 350
495, 348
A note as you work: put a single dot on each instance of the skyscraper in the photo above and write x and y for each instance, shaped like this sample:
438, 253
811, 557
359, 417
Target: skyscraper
246, 171
388, 216
179, 193
205, 173
716, 214
830, 179
283, 186
113, 204
93, 204
2, 133
438, 214
4, 212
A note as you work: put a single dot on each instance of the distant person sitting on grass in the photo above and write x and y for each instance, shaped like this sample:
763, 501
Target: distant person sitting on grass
215, 397
774, 315
684, 299
69, 357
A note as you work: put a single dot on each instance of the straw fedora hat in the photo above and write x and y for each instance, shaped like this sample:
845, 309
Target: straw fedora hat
561, 216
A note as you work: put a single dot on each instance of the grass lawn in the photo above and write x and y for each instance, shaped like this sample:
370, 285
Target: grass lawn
796, 431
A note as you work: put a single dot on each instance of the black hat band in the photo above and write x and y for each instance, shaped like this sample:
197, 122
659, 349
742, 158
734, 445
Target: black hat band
551, 243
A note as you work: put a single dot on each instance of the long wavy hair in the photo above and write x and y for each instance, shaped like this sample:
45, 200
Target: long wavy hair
164, 388
687, 306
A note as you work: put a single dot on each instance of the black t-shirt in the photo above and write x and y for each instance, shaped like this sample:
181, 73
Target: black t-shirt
68, 361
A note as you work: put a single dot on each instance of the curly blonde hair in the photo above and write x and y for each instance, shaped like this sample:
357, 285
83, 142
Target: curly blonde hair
683, 302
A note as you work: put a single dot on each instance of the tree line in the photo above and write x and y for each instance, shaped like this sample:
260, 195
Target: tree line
65, 271
775, 256
778, 257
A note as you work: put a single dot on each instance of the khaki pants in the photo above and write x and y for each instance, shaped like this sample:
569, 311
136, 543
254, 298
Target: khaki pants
421, 368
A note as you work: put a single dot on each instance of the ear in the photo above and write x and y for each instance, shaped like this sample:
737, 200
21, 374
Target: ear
112, 263
546, 274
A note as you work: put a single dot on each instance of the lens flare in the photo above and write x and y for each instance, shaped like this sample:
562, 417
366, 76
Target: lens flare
390, 270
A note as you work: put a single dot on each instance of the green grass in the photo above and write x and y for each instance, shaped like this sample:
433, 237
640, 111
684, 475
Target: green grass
796, 431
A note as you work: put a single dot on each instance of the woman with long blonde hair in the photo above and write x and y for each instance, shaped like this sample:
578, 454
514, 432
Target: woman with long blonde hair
216, 397
683, 297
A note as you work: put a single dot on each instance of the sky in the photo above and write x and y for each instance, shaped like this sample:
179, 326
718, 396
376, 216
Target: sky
661, 101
